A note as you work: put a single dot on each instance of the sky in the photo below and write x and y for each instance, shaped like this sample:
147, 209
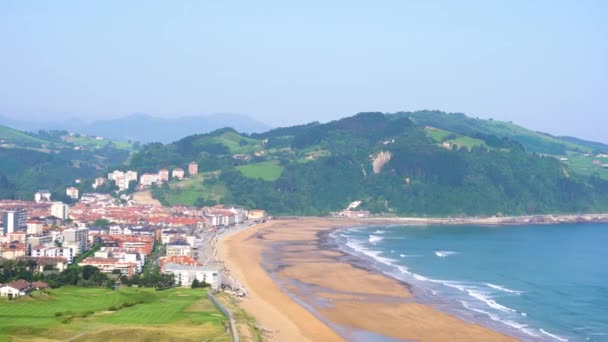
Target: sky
541, 64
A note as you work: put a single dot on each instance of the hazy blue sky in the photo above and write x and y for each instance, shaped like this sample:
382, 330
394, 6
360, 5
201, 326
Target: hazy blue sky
543, 64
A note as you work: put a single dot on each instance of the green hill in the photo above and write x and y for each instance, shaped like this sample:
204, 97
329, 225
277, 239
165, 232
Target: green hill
53, 160
419, 163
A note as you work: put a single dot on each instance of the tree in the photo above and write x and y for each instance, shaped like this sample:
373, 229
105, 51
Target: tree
195, 284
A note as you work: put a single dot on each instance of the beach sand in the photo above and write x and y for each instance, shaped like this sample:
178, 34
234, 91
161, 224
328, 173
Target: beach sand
279, 259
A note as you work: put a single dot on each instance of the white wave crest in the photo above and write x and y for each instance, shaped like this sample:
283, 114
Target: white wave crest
375, 239
513, 324
490, 302
559, 338
444, 254
379, 232
357, 247
503, 289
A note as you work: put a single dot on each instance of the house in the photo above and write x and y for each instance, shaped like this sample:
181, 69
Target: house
178, 248
42, 196
16, 289
193, 168
178, 173
184, 275
40, 285
257, 215
72, 192
163, 175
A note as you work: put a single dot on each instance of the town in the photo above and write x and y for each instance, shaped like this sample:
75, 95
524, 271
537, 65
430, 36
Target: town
122, 239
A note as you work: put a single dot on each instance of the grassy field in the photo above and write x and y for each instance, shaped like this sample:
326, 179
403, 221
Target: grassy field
441, 136
267, 171
94, 314
238, 143
11, 135
93, 144
584, 165
187, 191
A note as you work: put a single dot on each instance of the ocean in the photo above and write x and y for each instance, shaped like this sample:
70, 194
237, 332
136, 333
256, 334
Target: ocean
534, 282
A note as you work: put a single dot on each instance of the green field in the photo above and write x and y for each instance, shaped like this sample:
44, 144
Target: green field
11, 135
584, 165
267, 171
188, 191
441, 136
93, 144
237, 143
99, 314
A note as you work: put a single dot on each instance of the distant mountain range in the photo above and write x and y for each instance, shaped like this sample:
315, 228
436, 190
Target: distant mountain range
144, 128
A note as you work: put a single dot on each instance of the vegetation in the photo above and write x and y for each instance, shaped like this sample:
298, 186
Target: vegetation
54, 160
485, 167
98, 314
267, 171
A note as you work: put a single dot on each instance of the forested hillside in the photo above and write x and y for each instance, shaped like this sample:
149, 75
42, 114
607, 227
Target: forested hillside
418, 163
53, 160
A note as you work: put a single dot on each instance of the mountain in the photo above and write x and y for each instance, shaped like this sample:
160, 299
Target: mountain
408, 163
54, 160
145, 128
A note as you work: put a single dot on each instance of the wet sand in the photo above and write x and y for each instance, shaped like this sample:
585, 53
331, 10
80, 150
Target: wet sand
302, 289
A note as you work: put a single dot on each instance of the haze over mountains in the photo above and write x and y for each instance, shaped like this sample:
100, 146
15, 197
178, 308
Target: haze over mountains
144, 128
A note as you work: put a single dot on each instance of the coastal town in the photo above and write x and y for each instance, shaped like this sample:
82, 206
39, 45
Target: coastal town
121, 238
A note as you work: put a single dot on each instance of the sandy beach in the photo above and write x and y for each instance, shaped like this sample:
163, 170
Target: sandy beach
337, 300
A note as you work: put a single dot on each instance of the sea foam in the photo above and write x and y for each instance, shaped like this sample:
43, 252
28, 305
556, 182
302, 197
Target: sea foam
444, 254
374, 239
559, 338
503, 289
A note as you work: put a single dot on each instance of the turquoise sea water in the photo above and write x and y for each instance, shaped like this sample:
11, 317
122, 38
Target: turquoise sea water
542, 282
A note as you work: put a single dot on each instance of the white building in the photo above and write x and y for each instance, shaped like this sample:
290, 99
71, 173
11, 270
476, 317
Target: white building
42, 196
72, 192
178, 248
60, 210
77, 238
163, 175
98, 182
122, 179
147, 179
185, 275
178, 173
44, 251
13, 221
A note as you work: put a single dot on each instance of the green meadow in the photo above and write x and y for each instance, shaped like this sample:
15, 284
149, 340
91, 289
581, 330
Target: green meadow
268, 171
99, 314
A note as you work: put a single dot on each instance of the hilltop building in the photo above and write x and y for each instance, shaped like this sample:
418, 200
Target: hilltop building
72, 192
98, 182
163, 175
178, 173
193, 168
147, 179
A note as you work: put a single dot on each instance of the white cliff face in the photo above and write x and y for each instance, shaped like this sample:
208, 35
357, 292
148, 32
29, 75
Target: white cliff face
380, 159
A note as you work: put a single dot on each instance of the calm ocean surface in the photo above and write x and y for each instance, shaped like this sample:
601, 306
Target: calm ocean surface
542, 282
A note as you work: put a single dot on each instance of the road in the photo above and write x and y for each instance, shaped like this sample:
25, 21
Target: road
207, 253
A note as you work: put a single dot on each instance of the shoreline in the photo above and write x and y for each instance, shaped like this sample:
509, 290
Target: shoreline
489, 221
294, 261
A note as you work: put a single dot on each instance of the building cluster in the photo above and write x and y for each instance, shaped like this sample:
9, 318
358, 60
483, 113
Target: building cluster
55, 235
123, 179
39, 231
120, 253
